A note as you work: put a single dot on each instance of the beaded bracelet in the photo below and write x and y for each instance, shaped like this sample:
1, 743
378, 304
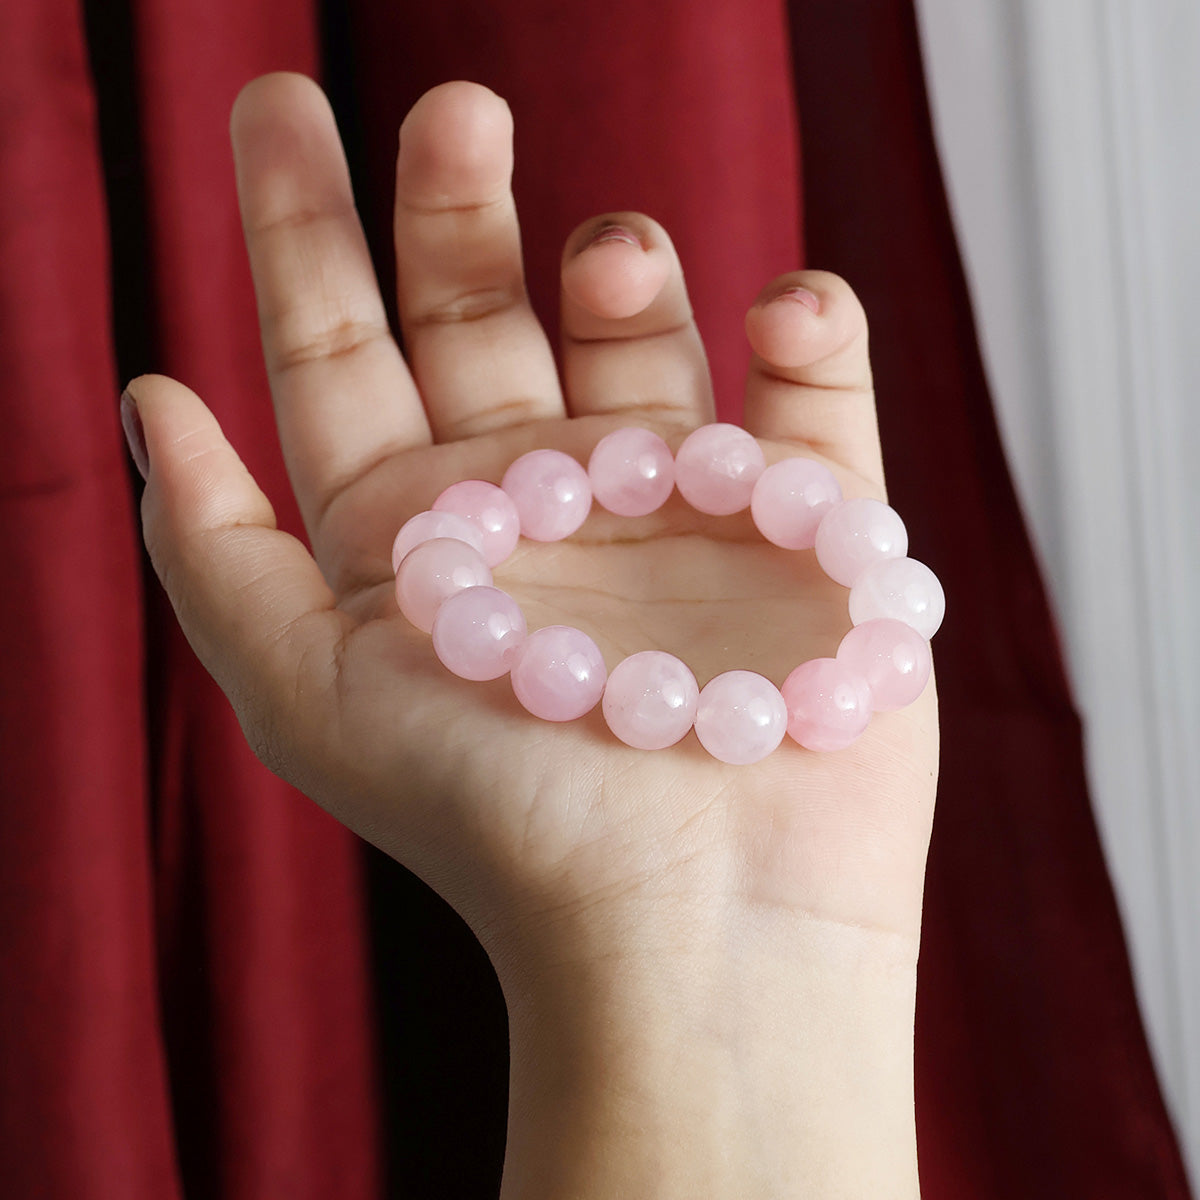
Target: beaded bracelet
443, 560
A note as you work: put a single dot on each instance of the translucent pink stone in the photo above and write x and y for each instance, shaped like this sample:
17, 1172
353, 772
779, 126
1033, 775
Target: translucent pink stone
433, 572
426, 526
551, 492
632, 472
828, 704
741, 717
892, 657
559, 673
903, 589
855, 534
716, 468
490, 509
650, 700
477, 633
789, 500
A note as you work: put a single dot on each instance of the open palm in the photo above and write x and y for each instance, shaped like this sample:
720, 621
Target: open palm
512, 819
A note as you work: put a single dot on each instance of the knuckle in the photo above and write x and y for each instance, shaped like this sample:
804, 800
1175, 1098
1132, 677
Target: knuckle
455, 208
300, 338
290, 221
467, 307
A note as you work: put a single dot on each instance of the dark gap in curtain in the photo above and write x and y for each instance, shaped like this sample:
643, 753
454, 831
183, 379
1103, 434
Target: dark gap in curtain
137, 347
111, 53
133, 295
134, 302
340, 79
444, 1043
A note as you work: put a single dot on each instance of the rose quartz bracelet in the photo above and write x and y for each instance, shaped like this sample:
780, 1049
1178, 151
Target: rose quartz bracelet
443, 560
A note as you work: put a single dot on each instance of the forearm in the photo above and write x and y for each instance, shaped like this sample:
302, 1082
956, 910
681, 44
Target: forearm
771, 1058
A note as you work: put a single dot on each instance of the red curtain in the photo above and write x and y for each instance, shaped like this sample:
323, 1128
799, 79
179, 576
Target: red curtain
193, 998
186, 1004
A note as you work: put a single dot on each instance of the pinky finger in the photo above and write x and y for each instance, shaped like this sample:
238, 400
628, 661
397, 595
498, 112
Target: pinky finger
250, 599
810, 378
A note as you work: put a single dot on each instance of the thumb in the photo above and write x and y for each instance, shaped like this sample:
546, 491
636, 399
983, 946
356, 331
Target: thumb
250, 599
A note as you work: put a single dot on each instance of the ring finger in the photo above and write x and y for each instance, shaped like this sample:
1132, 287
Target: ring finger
629, 340
478, 352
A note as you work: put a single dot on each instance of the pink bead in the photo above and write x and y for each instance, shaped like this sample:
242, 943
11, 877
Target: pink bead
632, 472
490, 509
902, 589
650, 700
857, 533
828, 704
789, 500
426, 526
477, 633
892, 657
433, 572
741, 717
551, 492
559, 673
716, 468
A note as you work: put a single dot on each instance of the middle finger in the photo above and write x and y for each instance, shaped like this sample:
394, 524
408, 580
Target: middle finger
479, 354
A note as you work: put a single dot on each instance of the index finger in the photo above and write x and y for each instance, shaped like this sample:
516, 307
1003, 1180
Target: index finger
344, 397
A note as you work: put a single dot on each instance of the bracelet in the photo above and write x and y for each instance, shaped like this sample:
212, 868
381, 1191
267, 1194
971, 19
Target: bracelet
443, 559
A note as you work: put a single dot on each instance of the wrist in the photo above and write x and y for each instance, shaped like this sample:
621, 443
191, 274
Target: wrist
747, 1053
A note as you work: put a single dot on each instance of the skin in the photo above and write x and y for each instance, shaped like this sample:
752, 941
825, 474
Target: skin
709, 969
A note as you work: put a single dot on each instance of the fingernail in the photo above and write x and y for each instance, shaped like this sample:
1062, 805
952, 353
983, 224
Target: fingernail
809, 299
135, 435
612, 233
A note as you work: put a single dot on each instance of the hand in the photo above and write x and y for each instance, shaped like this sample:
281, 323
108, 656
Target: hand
559, 845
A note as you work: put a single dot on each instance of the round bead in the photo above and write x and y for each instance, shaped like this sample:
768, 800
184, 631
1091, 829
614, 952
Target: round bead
551, 492
426, 526
789, 500
716, 469
650, 700
892, 657
433, 572
855, 534
741, 717
902, 589
631, 472
477, 633
490, 509
828, 704
559, 673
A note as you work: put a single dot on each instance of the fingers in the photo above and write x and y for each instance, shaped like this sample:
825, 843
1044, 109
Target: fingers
810, 379
629, 340
344, 397
479, 355
250, 599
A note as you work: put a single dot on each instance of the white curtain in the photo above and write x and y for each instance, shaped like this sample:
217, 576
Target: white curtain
1069, 132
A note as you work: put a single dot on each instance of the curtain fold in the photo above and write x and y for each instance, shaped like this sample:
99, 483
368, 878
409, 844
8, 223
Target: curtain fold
186, 1004
83, 1080
193, 999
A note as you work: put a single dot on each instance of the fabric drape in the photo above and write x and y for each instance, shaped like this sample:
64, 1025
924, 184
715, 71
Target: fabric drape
186, 1006
194, 1001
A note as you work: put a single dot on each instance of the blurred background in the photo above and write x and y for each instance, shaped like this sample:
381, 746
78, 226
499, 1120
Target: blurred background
1069, 135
